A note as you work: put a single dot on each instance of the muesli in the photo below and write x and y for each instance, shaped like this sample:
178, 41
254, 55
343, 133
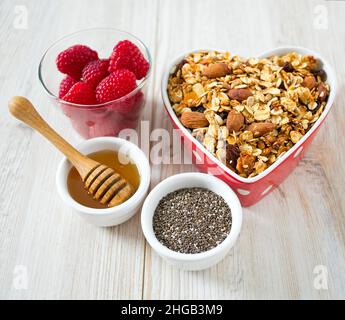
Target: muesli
248, 112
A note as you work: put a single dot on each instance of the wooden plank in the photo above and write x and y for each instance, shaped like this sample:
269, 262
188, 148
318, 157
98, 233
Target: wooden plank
284, 237
63, 255
300, 225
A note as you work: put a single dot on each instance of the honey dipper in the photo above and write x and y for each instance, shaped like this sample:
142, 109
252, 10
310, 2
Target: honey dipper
106, 186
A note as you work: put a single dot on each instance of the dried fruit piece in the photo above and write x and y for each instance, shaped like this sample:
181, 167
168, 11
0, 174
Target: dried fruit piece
199, 109
223, 114
322, 74
245, 163
287, 66
216, 70
323, 92
309, 82
234, 121
261, 128
239, 94
194, 120
232, 154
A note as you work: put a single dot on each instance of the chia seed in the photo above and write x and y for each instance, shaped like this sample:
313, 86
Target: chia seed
192, 220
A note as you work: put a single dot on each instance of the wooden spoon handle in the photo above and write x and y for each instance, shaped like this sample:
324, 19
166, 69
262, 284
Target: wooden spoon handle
22, 109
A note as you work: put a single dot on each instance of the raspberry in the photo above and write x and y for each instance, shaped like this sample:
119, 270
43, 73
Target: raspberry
66, 84
95, 71
126, 55
72, 60
130, 106
81, 93
115, 86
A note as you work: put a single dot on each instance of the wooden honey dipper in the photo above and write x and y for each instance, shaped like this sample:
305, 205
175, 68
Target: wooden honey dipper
106, 186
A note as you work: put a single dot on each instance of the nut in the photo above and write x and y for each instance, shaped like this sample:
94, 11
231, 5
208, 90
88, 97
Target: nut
234, 121
261, 128
323, 92
309, 82
216, 70
194, 120
239, 94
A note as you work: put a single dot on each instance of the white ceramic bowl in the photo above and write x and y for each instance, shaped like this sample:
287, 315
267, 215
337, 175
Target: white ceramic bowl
115, 215
201, 260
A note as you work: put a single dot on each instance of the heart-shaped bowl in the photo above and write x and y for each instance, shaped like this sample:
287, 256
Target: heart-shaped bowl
251, 190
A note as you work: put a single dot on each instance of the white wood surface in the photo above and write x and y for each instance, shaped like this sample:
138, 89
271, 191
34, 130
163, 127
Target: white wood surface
284, 237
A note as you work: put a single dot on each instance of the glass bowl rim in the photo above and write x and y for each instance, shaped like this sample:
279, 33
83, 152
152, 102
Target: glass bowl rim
104, 104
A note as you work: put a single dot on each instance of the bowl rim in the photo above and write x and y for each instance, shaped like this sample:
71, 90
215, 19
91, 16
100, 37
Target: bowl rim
331, 80
122, 209
227, 194
99, 105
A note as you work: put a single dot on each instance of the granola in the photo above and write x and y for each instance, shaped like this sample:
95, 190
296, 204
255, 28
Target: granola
256, 109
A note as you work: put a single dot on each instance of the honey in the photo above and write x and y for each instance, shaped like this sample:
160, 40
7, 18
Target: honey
110, 158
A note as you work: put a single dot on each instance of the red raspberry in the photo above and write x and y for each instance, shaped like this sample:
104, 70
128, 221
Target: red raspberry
81, 93
66, 84
95, 71
130, 106
126, 55
115, 86
72, 60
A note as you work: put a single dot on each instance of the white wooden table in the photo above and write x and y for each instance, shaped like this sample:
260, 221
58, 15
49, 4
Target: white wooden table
287, 240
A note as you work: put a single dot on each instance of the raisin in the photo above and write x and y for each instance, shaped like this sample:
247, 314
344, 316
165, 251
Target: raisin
199, 109
223, 114
322, 74
232, 154
287, 66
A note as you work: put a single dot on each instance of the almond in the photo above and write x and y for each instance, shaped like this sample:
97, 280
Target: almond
194, 120
239, 94
216, 70
309, 82
261, 128
234, 121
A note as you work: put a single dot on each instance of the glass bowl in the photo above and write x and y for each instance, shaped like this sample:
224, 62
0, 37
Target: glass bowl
106, 119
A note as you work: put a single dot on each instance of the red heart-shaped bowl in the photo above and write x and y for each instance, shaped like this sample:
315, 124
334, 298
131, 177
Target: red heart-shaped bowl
251, 190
